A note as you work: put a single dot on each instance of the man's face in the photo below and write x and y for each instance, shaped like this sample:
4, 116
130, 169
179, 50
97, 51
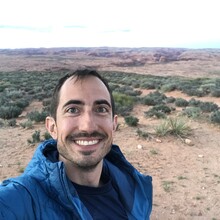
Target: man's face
84, 126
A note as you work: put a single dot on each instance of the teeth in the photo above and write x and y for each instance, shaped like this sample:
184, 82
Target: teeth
85, 143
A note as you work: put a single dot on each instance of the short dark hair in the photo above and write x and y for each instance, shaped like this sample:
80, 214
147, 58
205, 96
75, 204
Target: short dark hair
79, 74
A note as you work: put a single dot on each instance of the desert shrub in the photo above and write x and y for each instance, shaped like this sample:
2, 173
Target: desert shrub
35, 138
158, 111
149, 101
192, 112
168, 87
208, 106
215, 92
163, 128
154, 98
11, 122
162, 108
215, 117
8, 112
22, 103
40, 96
180, 102
179, 127
194, 102
148, 85
27, 124
173, 126
207, 86
113, 86
123, 99
128, 90
136, 84
2, 87
47, 136
46, 102
2, 122
123, 89
133, 92
196, 92
37, 116
170, 99
123, 103
131, 121
142, 134
14, 94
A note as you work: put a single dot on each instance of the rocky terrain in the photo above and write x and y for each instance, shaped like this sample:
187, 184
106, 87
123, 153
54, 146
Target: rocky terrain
156, 61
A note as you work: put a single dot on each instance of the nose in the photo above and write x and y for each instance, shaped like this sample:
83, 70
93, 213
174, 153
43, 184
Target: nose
88, 123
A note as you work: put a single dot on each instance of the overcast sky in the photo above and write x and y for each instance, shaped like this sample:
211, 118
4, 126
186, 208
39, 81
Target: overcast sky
113, 23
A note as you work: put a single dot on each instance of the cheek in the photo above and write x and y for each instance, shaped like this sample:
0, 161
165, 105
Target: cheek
65, 126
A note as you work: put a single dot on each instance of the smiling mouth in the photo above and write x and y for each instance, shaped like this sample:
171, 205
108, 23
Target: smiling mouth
86, 143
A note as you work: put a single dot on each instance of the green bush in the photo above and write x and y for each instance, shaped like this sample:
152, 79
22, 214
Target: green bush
2, 123
142, 134
154, 98
194, 102
21, 103
35, 138
163, 129
131, 121
170, 99
8, 112
162, 108
47, 136
208, 106
154, 113
37, 116
14, 94
27, 124
123, 99
12, 122
215, 92
180, 102
215, 117
192, 112
173, 126
196, 92
123, 103
168, 87
127, 90
148, 85
158, 111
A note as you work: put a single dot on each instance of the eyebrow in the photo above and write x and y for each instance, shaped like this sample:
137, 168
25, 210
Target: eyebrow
73, 102
79, 102
102, 101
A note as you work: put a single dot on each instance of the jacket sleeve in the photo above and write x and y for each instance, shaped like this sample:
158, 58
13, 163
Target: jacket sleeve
15, 202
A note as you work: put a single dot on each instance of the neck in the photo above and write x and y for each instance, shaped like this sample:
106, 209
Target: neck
84, 176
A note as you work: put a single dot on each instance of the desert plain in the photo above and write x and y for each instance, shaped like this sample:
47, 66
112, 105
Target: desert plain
186, 174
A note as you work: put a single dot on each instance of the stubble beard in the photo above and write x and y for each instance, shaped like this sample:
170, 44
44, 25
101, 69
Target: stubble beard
84, 161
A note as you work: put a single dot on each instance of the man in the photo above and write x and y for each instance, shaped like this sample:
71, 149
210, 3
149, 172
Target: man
79, 174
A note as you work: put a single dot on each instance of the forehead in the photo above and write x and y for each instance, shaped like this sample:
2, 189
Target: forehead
89, 87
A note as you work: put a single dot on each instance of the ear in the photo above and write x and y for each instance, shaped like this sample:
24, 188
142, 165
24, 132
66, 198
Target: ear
115, 123
51, 127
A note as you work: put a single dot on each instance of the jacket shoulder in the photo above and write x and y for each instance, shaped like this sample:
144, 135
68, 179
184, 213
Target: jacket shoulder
15, 201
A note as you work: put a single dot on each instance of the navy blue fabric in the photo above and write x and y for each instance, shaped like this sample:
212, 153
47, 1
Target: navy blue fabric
45, 192
102, 202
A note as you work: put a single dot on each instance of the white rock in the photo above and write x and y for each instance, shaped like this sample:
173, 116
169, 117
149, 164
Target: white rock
188, 142
139, 146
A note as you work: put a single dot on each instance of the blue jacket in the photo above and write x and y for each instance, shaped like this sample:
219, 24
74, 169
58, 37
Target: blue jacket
43, 191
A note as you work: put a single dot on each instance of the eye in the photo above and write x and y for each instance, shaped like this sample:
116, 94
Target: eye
73, 110
102, 109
